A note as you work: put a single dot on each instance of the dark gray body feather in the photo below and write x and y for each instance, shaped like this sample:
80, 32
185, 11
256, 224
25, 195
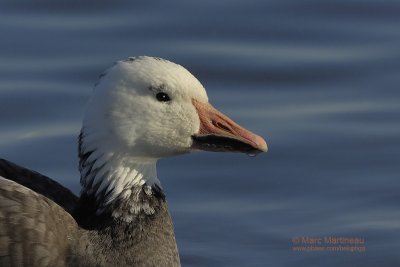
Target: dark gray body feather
40, 184
37, 231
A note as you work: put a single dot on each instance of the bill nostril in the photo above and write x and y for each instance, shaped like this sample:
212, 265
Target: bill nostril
222, 126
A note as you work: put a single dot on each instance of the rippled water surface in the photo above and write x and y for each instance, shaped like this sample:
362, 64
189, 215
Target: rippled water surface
318, 79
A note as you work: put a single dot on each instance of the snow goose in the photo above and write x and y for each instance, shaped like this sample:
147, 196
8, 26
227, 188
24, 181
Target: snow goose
142, 109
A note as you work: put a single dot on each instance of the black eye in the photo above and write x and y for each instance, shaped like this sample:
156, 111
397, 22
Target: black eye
162, 97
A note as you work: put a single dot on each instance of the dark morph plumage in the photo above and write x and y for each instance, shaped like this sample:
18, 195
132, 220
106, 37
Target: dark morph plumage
44, 224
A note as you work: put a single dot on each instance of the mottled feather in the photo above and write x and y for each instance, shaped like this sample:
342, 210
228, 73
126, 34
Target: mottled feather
34, 231
39, 183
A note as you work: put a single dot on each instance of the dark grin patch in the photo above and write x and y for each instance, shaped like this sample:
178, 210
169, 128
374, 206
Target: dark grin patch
217, 143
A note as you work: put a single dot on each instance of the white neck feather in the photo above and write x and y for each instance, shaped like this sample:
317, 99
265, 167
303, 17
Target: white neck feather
117, 179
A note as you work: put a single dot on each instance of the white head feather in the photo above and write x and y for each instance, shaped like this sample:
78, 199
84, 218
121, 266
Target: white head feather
126, 129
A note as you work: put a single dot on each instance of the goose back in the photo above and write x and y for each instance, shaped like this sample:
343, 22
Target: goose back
34, 231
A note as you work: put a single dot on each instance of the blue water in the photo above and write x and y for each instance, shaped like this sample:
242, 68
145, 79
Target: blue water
318, 79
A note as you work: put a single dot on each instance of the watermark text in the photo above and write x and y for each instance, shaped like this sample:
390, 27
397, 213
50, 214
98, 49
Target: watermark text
329, 243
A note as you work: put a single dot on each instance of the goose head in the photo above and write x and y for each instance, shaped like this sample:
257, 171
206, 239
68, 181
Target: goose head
143, 109
152, 108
